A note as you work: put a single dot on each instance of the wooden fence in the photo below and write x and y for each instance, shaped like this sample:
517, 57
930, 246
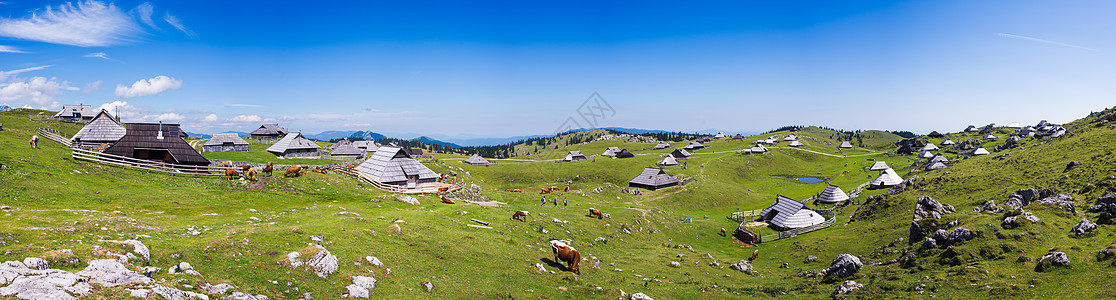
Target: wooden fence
128, 162
453, 183
742, 216
56, 136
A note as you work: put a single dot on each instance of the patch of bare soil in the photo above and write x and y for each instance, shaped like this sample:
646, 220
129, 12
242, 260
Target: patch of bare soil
258, 185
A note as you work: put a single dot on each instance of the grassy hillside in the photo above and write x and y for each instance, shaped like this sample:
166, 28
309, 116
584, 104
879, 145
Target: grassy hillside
58, 203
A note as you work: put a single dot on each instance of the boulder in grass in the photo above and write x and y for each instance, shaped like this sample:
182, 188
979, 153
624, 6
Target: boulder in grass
929, 208
844, 265
36, 263
743, 266
1083, 227
1053, 259
323, 263
848, 287
640, 296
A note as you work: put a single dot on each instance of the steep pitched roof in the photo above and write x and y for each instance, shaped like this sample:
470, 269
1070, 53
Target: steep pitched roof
925, 154
790, 138
887, 178
694, 145
653, 178
737, 137
222, 138
832, 194
789, 213
680, 153
930, 147
392, 164
981, 151
938, 158
661, 145
574, 155
879, 166
476, 159
845, 144
948, 142
796, 144
146, 136
758, 149
270, 129
103, 128
668, 161
624, 154
720, 135
611, 151
935, 165
345, 148
292, 141
369, 146
70, 110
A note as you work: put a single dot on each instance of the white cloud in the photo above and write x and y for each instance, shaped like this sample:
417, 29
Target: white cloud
5, 74
37, 90
10, 49
1027, 38
174, 21
144, 12
243, 105
123, 109
165, 117
246, 118
89, 24
97, 55
148, 87
210, 118
92, 87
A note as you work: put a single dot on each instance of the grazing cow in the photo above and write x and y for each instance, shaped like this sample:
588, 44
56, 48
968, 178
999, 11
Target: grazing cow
567, 189
443, 190
320, 170
447, 200
268, 169
724, 232
563, 252
553, 189
754, 255
245, 168
250, 174
544, 191
231, 173
595, 212
34, 141
227, 163
293, 171
517, 191
520, 215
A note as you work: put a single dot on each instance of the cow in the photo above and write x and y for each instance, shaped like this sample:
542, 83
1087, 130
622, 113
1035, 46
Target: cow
34, 141
754, 255
565, 253
520, 215
724, 232
320, 170
250, 174
443, 190
293, 171
515, 190
544, 190
227, 163
447, 200
245, 168
567, 189
231, 173
595, 212
553, 189
268, 169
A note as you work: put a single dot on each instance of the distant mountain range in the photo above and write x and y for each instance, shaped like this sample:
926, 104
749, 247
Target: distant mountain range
458, 142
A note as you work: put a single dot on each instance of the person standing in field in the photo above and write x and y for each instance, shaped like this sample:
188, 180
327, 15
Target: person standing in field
565, 202
543, 200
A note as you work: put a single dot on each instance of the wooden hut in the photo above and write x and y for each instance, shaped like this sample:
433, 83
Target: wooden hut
694, 146
786, 213
101, 132
935, 134
796, 144
660, 146
76, 113
611, 152
221, 142
887, 178
392, 166
366, 146
653, 179
680, 154
156, 142
879, 166
294, 145
269, 132
574, 156
345, 148
476, 159
832, 194
668, 161
845, 145
624, 154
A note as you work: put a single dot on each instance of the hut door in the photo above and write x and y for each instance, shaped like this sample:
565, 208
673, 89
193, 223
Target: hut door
412, 180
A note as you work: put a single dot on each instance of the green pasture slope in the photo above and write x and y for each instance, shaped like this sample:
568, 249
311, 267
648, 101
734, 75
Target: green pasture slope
58, 203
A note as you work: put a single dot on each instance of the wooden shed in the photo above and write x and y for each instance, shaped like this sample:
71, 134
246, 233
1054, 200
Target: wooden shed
157, 142
269, 132
653, 179
394, 167
294, 145
103, 131
221, 142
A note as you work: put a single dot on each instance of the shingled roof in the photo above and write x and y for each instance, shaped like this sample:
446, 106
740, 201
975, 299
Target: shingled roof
345, 148
369, 146
68, 111
222, 138
148, 138
832, 194
680, 153
624, 154
102, 129
269, 130
292, 141
653, 179
476, 159
392, 165
845, 144
668, 161
788, 213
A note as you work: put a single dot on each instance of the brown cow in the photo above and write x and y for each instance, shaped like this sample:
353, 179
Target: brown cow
595, 212
563, 252
544, 191
567, 189
754, 255
227, 163
553, 189
320, 170
520, 215
443, 190
293, 171
250, 174
447, 200
724, 232
34, 141
231, 173
245, 168
517, 191
268, 169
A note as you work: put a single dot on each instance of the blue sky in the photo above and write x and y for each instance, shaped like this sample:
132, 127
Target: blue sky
520, 68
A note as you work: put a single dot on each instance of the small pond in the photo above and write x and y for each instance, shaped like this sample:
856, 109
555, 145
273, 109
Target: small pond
804, 179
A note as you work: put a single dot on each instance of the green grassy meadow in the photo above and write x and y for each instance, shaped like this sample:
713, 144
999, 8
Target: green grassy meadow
59, 203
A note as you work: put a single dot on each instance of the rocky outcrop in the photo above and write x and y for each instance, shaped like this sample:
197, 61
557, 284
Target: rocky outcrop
360, 286
110, 273
945, 238
743, 266
36, 263
1022, 197
844, 265
170, 293
137, 247
1083, 227
927, 207
323, 263
1017, 218
848, 287
640, 296
1053, 259
1062, 200
990, 206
